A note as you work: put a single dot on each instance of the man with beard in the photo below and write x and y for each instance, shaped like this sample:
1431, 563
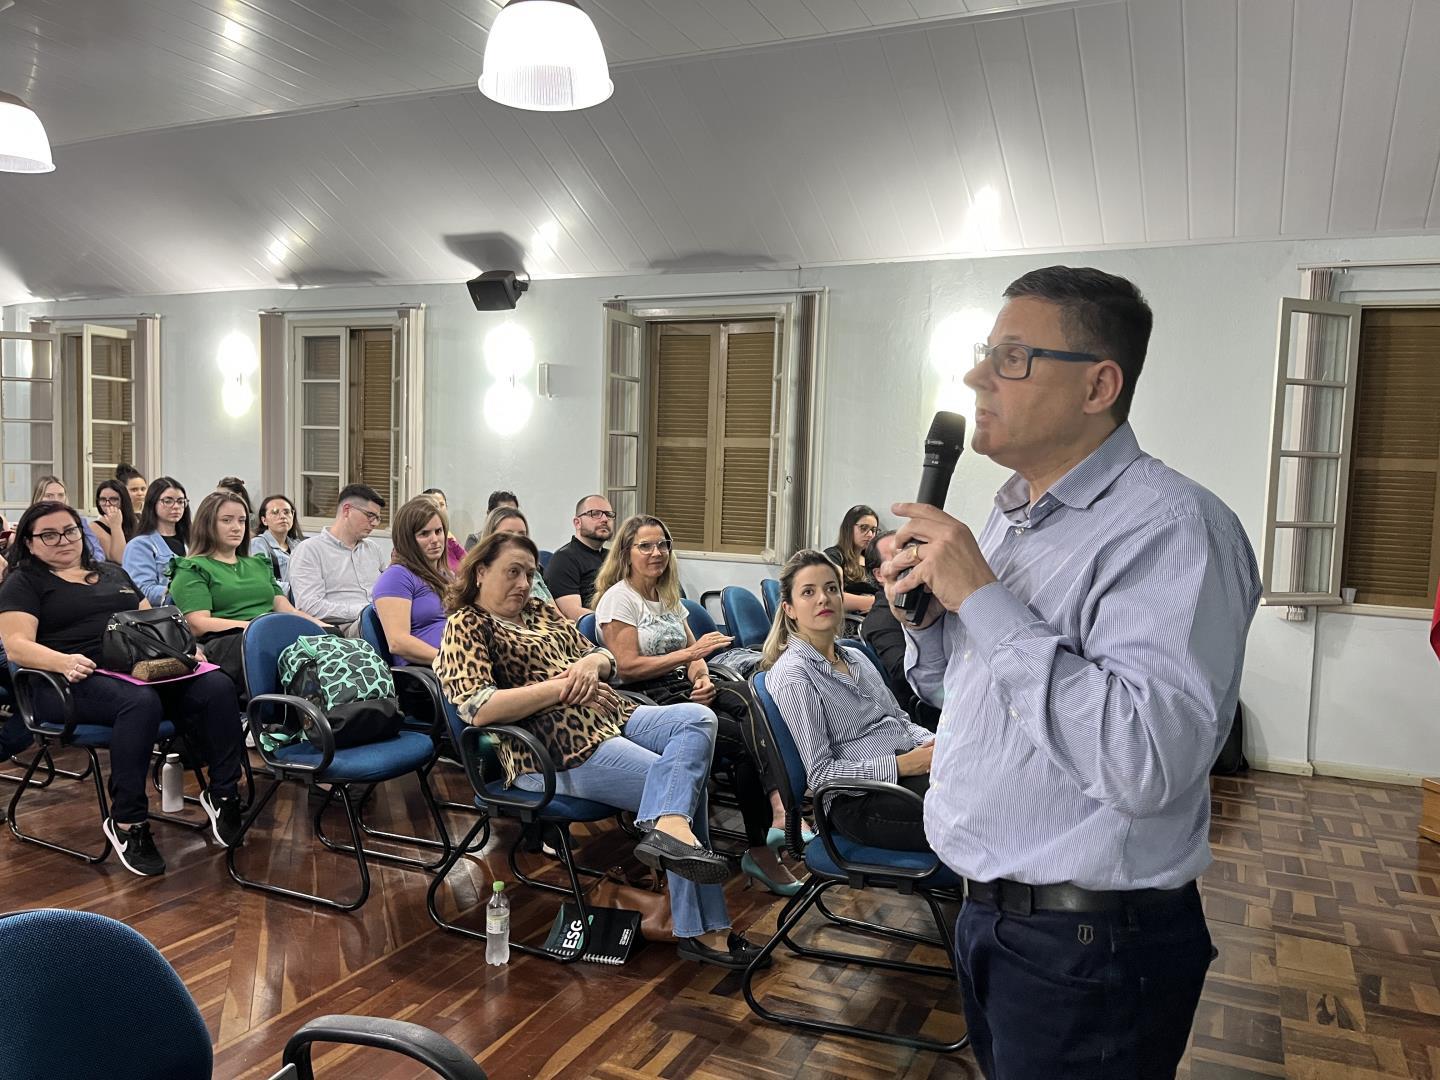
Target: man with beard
572, 569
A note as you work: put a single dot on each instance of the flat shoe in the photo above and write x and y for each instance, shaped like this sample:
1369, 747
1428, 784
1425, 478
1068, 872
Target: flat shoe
738, 956
661, 851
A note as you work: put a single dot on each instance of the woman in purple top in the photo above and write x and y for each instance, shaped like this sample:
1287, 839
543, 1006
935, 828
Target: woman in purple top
408, 594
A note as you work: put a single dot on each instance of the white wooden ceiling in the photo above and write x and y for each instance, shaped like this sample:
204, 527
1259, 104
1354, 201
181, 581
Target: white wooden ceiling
1073, 125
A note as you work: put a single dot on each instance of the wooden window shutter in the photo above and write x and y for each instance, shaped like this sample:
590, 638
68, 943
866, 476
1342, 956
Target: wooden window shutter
684, 371
1392, 542
371, 425
745, 438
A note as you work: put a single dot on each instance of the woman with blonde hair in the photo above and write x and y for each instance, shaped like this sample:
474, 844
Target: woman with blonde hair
409, 594
640, 616
846, 723
511, 519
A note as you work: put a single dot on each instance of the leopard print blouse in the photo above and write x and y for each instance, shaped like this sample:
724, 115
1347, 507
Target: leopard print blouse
541, 646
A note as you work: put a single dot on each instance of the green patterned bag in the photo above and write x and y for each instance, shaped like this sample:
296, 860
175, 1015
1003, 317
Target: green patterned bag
346, 680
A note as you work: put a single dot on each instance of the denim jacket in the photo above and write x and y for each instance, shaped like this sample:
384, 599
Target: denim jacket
147, 561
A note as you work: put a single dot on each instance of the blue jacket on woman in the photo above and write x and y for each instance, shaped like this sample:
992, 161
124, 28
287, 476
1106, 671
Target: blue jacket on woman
147, 561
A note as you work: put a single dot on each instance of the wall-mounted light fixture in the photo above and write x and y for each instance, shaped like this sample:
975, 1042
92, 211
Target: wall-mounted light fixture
509, 356
952, 354
237, 363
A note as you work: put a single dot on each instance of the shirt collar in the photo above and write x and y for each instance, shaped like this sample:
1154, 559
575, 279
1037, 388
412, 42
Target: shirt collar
1083, 484
811, 655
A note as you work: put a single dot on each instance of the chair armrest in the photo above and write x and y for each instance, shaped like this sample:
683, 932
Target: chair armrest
470, 758
862, 786
428, 683
318, 718
634, 695
428, 1047
727, 673
25, 700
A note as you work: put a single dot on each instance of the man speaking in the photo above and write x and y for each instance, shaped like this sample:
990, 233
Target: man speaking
1086, 652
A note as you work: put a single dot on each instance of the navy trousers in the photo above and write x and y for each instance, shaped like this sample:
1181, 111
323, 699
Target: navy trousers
1085, 997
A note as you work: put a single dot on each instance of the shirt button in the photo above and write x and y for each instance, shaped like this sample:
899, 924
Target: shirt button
1014, 715
1019, 530
966, 655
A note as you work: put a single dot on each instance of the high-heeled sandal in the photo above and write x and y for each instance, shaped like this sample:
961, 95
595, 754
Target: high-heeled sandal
751, 869
775, 838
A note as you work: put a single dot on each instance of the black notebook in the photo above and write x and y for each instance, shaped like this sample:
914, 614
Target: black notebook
613, 937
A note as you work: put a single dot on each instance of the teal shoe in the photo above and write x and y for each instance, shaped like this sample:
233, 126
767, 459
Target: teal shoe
753, 873
775, 838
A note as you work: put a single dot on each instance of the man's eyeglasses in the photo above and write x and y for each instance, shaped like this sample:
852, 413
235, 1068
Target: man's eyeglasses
171, 501
370, 515
1011, 360
608, 515
649, 547
52, 538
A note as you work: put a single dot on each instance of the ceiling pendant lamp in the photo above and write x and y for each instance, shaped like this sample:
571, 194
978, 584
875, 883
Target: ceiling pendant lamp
23, 145
545, 55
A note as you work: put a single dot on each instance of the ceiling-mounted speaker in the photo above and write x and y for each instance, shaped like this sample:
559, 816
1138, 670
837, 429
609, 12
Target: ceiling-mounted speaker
497, 290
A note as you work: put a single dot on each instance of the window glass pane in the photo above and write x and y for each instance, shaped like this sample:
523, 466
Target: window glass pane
322, 452
111, 400
624, 503
322, 403
620, 466
624, 350
1301, 561
1319, 347
1307, 489
1312, 418
25, 359
322, 358
28, 442
27, 401
319, 495
19, 482
624, 414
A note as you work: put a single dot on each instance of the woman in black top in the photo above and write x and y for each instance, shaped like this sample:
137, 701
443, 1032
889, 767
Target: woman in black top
54, 606
857, 528
113, 515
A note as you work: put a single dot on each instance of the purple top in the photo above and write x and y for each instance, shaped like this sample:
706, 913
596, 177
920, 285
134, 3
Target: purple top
427, 613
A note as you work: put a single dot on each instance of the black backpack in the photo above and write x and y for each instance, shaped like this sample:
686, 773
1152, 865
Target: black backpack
346, 680
1232, 754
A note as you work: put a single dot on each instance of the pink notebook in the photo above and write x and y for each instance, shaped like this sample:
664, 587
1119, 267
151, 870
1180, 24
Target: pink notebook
203, 667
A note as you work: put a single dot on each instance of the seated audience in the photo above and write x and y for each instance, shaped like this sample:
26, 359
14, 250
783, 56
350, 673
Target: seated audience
881, 630
410, 594
135, 484
857, 528
507, 658
160, 537
843, 718
276, 534
115, 521
572, 569
54, 607
50, 488
220, 586
644, 625
454, 552
509, 519
332, 572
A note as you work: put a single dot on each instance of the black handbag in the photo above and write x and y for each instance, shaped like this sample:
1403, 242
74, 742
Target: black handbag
149, 645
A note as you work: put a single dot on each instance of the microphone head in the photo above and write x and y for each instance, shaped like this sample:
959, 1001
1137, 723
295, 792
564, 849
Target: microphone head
947, 436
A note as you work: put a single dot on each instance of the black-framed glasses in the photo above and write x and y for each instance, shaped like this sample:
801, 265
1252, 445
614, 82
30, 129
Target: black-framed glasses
649, 547
1011, 360
54, 538
109, 500
370, 515
173, 501
868, 530
608, 515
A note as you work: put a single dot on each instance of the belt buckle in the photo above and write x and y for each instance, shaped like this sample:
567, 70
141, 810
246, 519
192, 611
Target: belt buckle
1017, 898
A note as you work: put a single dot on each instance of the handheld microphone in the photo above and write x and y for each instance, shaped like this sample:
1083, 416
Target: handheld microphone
942, 450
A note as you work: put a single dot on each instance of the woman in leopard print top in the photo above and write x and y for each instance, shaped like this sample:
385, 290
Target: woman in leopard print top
507, 657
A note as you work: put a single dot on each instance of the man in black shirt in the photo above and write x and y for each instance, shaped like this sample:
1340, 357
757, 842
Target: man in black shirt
572, 569
882, 632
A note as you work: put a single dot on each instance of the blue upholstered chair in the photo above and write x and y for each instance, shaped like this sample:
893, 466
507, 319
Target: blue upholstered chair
745, 617
322, 764
81, 990
870, 654
770, 594
588, 629
545, 559
834, 861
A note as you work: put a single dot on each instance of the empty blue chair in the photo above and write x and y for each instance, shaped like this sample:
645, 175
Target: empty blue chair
745, 617
322, 764
699, 619
833, 861
88, 996
588, 629
770, 594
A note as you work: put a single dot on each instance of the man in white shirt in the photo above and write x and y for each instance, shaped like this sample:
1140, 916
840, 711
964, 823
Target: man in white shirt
333, 572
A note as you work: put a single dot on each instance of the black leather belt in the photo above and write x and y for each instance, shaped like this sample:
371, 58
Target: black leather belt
1017, 898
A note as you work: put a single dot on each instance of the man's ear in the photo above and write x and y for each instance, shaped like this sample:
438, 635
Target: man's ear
1106, 382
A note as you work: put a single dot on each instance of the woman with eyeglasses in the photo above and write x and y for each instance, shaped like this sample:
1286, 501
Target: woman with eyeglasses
50, 488
644, 624
512, 519
278, 533
54, 607
857, 528
115, 521
160, 537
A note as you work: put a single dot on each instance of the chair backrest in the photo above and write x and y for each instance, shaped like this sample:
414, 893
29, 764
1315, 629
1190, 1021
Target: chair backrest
81, 990
699, 619
372, 631
870, 654
788, 767
265, 639
545, 559
587, 627
744, 616
770, 594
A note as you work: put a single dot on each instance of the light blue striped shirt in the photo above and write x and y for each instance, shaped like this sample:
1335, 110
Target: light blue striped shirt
1087, 692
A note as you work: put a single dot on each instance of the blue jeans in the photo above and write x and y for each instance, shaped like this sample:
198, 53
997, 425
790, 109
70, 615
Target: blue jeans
657, 766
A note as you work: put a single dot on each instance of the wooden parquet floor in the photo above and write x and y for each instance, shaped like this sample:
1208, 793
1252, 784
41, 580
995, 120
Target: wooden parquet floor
1324, 906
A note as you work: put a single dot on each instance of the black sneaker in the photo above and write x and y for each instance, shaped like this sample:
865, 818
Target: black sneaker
136, 848
224, 815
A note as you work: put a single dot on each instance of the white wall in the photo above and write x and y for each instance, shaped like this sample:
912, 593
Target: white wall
1203, 405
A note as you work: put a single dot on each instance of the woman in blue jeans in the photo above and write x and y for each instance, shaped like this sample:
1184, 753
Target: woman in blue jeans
508, 658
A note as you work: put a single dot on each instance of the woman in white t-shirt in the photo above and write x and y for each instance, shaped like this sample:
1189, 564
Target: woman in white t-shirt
640, 616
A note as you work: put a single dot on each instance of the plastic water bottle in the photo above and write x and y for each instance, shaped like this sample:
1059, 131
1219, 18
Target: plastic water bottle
172, 785
497, 926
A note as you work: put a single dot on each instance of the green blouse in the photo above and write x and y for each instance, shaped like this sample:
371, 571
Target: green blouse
243, 590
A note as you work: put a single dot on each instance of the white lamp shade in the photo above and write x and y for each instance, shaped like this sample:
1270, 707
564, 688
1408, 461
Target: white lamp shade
545, 55
24, 147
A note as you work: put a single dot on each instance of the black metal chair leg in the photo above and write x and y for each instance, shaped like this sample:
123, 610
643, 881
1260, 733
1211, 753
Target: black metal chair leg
399, 838
876, 929
51, 770
297, 894
539, 883
24, 785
